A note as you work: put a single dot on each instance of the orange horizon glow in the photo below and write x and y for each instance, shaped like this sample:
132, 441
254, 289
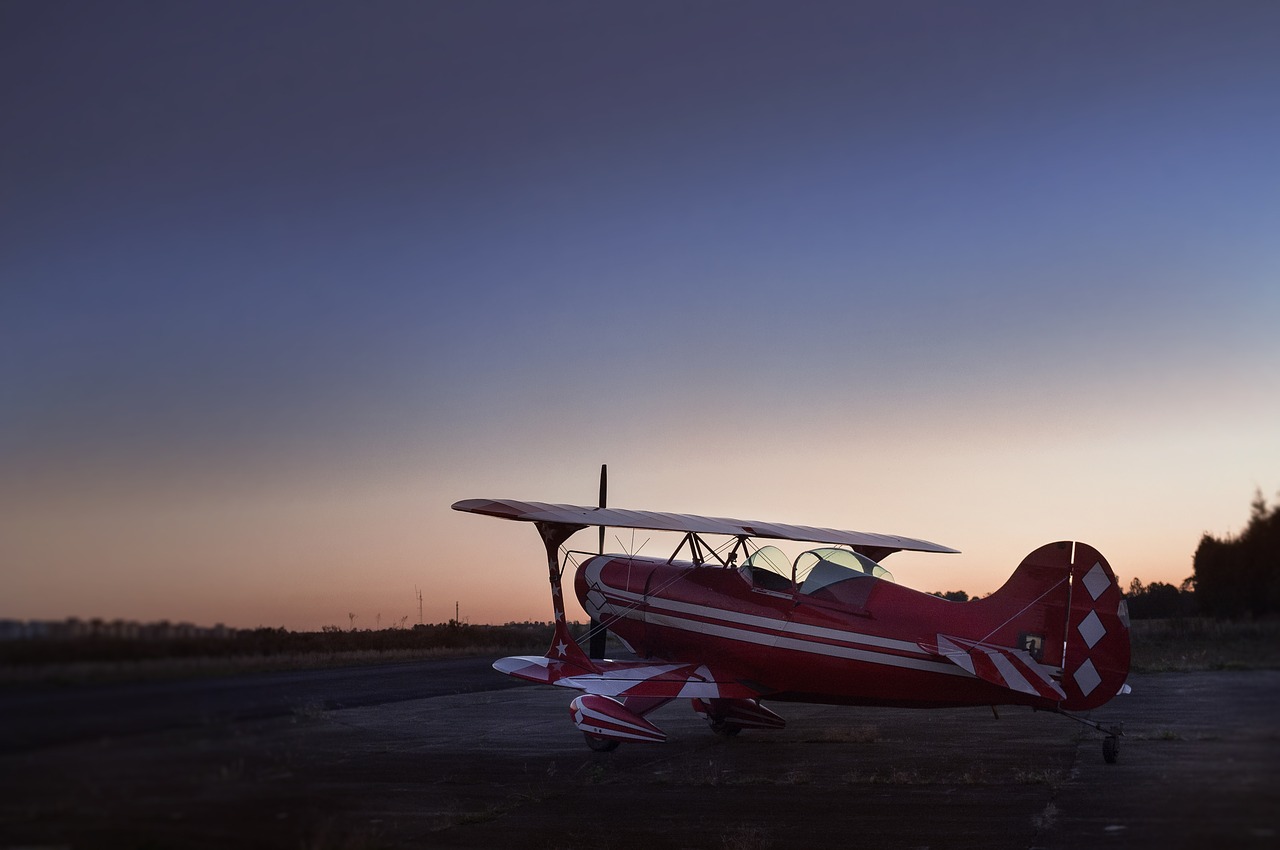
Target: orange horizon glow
494, 569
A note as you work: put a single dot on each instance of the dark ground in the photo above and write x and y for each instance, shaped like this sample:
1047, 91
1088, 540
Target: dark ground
443, 754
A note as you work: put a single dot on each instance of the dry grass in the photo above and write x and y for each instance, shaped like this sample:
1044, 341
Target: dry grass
969, 774
888, 776
745, 837
795, 777
865, 734
84, 672
1159, 735
1198, 643
1050, 776
710, 775
1046, 819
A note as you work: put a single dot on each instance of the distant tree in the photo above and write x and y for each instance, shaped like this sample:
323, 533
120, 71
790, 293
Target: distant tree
1240, 576
952, 595
1158, 600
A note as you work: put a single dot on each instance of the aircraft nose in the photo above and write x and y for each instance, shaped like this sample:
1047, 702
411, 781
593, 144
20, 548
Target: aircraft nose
604, 582
592, 584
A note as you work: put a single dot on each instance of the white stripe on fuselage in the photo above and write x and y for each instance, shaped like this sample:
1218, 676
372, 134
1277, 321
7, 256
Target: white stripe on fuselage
593, 575
773, 639
782, 634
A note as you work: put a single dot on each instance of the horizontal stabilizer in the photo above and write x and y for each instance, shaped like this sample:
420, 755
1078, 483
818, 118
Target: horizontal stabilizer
1010, 668
537, 668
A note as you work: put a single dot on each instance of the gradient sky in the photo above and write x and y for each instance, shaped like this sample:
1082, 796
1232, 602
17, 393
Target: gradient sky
279, 282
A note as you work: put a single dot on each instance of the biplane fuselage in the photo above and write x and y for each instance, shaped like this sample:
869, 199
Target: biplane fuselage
829, 627
864, 650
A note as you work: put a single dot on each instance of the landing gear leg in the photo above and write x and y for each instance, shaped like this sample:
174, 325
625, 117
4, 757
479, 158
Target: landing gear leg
1110, 744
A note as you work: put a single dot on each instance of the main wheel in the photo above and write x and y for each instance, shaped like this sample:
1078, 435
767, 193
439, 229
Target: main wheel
724, 729
1110, 749
600, 745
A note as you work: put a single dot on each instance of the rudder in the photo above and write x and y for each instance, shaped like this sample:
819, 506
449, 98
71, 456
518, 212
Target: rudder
1063, 606
1097, 641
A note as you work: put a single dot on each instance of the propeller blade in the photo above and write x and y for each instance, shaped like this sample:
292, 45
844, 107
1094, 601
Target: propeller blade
596, 648
604, 491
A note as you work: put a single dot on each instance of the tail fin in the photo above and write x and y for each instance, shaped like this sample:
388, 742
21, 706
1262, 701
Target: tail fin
565, 648
1063, 607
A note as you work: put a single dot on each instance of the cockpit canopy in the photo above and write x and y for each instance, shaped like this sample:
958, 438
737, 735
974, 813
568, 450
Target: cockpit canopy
769, 568
813, 570
819, 568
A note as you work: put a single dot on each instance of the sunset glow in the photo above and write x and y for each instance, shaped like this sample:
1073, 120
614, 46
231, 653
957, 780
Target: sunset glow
282, 282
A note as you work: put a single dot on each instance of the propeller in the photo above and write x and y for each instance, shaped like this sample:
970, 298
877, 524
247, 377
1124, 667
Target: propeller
604, 492
598, 633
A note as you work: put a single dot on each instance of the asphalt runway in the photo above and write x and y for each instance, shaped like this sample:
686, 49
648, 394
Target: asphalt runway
446, 754
39, 717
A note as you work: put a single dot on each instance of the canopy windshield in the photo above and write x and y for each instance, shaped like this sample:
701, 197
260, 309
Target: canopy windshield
769, 568
819, 568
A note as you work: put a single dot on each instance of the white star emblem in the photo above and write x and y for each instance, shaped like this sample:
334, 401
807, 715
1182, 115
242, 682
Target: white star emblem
559, 616
555, 590
562, 648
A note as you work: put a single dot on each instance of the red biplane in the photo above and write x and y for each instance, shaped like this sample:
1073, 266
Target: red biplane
729, 627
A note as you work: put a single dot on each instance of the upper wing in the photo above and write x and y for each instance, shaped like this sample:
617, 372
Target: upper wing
622, 680
661, 521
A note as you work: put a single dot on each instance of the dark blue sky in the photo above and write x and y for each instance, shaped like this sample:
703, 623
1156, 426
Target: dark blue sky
254, 252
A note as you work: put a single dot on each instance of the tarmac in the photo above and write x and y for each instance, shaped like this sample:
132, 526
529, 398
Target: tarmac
366, 758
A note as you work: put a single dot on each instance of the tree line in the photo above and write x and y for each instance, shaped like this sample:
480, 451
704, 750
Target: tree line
450, 636
1233, 577
1240, 576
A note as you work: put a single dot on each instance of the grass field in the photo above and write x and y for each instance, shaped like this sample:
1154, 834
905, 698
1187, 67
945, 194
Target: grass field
1185, 644
1198, 643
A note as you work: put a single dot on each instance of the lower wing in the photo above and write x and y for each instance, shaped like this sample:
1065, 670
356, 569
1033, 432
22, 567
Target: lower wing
630, 679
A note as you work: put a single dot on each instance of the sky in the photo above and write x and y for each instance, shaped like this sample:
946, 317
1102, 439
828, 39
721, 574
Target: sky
280, 282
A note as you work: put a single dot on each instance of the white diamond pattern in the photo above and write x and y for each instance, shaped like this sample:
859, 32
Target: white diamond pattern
1091, 629
1096, 581
1087, 677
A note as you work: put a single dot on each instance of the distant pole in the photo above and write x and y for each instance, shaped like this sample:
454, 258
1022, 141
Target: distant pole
417, 591
456, 618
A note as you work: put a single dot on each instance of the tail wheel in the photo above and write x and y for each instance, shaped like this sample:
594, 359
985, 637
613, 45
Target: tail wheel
600, 745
